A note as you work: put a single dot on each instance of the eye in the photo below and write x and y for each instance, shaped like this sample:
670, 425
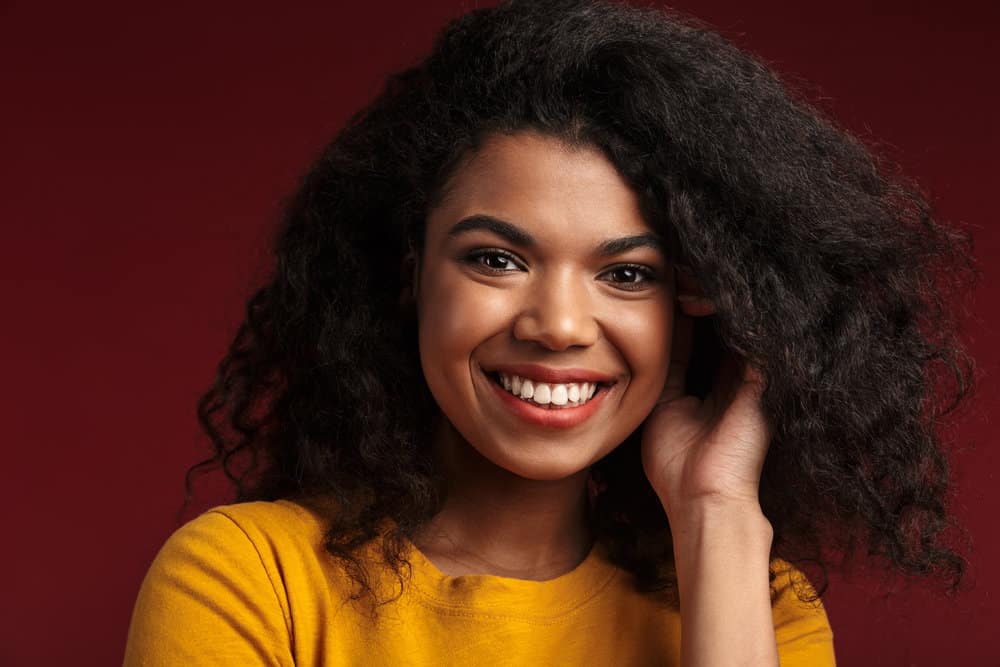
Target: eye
493, 260
630, 276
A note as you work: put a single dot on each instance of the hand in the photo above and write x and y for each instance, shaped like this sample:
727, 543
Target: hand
705, 451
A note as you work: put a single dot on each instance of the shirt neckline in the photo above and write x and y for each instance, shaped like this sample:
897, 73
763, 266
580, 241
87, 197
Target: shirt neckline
499, 596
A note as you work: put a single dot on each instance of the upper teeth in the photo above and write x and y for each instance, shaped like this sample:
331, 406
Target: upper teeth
575, 393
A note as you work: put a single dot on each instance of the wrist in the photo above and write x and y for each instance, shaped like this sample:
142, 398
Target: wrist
730, 524
712, 507
722, 555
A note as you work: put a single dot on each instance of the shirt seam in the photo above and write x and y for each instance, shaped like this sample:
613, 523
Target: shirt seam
267, 572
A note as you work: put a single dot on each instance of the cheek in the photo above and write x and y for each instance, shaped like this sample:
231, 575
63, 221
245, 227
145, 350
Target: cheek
443, 321
455, 317
643, 336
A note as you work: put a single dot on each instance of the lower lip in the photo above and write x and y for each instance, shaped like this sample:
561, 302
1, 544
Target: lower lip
554, 418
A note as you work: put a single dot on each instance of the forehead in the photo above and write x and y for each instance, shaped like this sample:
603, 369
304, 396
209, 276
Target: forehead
543, 184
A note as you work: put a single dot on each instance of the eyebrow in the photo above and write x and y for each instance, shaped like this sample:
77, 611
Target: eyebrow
497, 226
519, 237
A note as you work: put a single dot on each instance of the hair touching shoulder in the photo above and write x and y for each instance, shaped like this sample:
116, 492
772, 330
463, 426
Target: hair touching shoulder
828, 273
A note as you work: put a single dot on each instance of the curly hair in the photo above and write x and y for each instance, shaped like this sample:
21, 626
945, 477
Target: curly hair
828, 271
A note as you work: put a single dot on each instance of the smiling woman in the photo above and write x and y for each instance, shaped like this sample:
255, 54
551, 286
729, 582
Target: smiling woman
539, 265
584, 331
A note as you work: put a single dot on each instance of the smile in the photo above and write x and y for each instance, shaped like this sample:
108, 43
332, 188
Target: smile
556, 396
558, 412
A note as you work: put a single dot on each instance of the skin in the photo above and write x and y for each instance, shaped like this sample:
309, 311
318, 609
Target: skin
517, 496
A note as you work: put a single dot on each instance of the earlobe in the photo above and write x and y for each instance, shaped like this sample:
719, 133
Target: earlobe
695, 305
689, 294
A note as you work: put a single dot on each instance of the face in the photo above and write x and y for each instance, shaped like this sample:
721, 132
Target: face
539, 271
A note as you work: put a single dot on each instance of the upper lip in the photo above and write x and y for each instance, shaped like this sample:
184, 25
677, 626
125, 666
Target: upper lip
551, 375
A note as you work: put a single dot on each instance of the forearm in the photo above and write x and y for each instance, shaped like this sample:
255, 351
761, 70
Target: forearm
722, 554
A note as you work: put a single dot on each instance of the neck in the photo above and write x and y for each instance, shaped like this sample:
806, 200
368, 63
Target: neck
495, 522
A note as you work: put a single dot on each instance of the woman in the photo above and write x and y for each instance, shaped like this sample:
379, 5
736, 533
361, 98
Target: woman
582, 332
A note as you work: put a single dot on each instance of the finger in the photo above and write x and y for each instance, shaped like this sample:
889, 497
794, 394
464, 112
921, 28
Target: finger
743, 386
735, 378
753, 379
749, 398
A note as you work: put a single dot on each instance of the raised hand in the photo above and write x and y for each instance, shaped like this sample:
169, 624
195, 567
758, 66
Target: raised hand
704, 459
709, 451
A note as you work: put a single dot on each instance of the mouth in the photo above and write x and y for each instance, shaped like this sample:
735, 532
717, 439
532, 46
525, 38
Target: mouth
548, 395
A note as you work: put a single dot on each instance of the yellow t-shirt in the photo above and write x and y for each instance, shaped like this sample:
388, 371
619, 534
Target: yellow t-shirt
250, 584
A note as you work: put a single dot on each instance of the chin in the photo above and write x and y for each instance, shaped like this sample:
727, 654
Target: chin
536, 458
546, 467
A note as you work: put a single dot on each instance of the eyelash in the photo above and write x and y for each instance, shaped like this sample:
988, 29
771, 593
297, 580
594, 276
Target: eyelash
647, 274
477, 255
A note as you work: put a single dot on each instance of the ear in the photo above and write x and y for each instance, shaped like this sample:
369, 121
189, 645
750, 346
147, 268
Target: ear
690, 298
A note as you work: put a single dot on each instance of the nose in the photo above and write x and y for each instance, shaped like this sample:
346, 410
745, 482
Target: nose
558, 314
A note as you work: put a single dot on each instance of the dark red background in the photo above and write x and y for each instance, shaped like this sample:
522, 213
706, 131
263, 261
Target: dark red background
145, 152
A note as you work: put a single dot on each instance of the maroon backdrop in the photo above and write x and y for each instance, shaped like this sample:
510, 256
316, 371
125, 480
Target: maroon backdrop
145, 152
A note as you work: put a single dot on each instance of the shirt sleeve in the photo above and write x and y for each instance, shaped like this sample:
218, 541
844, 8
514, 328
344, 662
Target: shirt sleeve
801, 629
208, 599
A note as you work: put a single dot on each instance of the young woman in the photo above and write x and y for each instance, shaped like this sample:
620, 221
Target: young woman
579, 336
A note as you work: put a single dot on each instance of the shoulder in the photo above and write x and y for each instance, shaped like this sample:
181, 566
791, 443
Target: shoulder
801, 627
226, 576
244, 535
274, 523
